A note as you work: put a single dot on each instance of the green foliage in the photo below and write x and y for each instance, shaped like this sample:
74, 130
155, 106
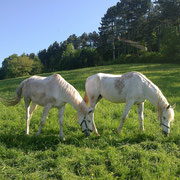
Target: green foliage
66, 55
142, 57
36, 67
69, 51
15, 66
126, 29
170, 44
73, 59
151, 57
131, 155
18, 66
140, 21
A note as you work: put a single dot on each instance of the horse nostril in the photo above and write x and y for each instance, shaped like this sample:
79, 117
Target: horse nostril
87, 133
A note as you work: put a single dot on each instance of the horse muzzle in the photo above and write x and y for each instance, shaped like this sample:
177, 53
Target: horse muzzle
165, 133
87, 132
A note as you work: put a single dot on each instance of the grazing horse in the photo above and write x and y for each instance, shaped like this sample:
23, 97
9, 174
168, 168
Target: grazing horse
52, 91
130, 88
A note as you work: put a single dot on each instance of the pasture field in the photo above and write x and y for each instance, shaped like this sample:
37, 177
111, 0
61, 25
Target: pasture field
131, 155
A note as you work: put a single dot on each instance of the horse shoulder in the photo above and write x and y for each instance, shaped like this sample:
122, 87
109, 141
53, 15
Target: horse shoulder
93, 84
129, 84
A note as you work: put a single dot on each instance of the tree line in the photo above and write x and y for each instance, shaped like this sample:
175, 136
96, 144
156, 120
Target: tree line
132, 31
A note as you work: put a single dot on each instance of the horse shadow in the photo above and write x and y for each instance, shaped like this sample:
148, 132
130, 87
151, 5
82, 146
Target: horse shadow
44, 142
28, 143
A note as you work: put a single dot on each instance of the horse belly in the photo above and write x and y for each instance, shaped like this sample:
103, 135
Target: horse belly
42, 99
113, 96
39, 100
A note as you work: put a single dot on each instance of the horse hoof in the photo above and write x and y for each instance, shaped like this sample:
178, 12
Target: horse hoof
63, 139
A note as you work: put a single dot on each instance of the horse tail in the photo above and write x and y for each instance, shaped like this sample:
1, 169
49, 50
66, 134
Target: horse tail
86, 99
14, 100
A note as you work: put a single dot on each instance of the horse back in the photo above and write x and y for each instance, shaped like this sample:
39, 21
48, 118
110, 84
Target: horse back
116, 88
42, 90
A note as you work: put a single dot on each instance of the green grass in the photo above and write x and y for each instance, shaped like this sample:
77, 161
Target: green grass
131, 155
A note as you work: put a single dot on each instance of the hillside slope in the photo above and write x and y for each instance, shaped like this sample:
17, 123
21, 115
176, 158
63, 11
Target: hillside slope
131, 155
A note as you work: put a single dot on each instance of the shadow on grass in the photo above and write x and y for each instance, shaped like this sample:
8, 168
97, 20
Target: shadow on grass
45, 142
28, 143
136, 139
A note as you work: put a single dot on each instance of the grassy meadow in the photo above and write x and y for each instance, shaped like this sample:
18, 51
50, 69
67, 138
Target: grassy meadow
131, 155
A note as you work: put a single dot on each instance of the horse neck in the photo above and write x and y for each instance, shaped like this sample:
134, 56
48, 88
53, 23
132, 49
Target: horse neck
75, 99
72, 96
155, 96
79, 105
162, 103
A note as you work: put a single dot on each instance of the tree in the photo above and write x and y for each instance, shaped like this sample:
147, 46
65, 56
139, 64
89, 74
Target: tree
108, 32
42, 55
170, 44
15, 66
2, 73
169, 10
164, 14
54, 54
74, 40
69, 50
122, 22
18, 66
93, 39
67, 57
51, 57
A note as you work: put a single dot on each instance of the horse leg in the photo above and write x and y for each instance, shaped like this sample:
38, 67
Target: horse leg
93, 103
32, 109
125, 113
27, 102
44, 115
29, 111
61, 113
93, 123
141, 116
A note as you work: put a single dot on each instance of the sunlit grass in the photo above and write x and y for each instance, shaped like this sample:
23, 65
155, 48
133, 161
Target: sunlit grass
131, 155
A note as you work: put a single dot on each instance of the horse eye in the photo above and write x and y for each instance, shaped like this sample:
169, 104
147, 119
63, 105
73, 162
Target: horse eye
164, 118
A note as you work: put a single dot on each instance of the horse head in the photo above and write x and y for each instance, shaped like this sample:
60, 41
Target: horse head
86, 122
166, 118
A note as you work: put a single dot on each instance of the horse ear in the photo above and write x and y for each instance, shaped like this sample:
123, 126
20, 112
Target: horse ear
90, 110
173, 106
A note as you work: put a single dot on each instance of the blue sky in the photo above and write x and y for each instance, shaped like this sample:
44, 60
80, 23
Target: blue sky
28, 26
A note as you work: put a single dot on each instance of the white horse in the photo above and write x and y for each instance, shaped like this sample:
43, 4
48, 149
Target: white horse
52, 91
130, 88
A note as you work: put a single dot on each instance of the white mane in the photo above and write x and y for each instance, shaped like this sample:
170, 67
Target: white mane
73, 95
161, 101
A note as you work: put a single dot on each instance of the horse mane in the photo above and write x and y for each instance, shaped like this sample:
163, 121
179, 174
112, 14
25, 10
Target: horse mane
86, 99
162, 101
73, 95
